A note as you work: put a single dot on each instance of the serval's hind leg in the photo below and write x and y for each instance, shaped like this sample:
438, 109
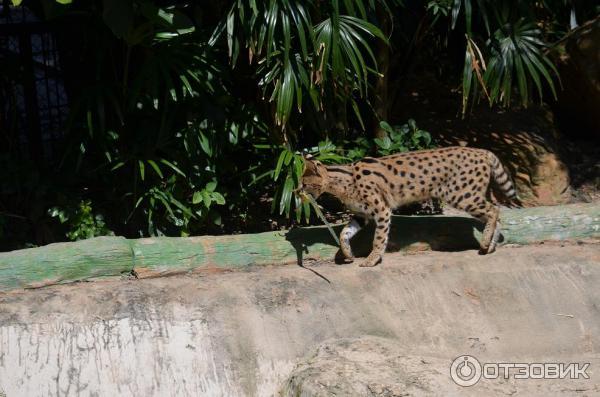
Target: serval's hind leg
383, 218
491, 232
486, 212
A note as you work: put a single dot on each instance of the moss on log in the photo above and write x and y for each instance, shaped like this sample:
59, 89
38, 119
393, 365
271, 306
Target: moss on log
151, 257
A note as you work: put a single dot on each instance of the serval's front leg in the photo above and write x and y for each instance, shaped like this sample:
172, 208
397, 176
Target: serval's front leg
382, 216
347, 233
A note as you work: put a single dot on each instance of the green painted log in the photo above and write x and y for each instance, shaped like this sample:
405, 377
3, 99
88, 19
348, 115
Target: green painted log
65, 262
151, 257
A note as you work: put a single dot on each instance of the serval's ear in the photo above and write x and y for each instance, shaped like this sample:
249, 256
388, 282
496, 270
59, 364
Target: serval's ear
312, 166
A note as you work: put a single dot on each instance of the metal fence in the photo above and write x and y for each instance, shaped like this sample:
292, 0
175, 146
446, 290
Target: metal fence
33, 100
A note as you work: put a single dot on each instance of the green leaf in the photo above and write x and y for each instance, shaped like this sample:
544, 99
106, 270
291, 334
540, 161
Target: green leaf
205, 144
183, 208
210, 186
298, 169
197, 197
156, 168
207, 198
118, 165
384, 143
142, 168
306, 208
386, 127
282, 156
286, 196
137, 203
219, 199
173, 167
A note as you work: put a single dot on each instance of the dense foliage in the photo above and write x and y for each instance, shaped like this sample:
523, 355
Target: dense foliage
190, 119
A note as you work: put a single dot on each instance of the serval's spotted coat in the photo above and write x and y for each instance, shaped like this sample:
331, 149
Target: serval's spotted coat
372, 187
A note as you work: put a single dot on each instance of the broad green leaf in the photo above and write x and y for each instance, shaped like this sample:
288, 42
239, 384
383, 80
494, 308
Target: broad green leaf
219, 199
207, 198
210, 186
386, 127
197, 197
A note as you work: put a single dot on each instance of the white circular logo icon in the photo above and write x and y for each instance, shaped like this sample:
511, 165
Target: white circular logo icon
465, 371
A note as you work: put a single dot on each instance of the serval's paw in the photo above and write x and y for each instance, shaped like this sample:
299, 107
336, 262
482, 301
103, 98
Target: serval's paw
371, 262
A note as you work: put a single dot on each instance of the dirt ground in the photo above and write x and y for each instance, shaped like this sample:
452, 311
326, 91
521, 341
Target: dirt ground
386, 331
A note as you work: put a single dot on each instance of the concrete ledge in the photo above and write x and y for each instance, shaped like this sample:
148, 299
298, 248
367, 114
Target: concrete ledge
255, 333
152, 257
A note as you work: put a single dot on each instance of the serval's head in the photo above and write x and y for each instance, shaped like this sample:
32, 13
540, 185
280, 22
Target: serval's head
314, 179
